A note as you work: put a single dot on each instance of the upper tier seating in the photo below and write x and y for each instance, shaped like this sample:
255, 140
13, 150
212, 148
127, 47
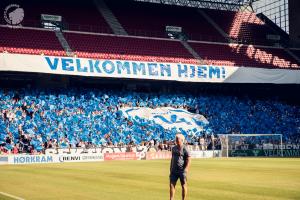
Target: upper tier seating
77, 15
35, 41
244, 55
148, 19
28, 41
114, 47
243, 26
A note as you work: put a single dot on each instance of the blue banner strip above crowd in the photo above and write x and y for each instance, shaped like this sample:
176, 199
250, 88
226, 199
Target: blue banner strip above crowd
145, 70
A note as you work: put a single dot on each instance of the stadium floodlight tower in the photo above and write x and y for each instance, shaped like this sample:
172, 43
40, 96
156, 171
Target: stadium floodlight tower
251, 145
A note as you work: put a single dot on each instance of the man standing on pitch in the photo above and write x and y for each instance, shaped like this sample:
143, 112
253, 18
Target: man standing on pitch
180, 164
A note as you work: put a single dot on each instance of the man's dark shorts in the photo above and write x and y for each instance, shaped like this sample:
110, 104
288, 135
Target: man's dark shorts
174, 176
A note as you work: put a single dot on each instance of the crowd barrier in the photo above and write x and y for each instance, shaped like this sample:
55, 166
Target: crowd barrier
80, 158
139, 150
205, 154
121, 156
97, 154
158, 155
55, 158
265, 153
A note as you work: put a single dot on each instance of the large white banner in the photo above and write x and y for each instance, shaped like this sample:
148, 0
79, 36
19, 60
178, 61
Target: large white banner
144, 70
114, 68
168, 117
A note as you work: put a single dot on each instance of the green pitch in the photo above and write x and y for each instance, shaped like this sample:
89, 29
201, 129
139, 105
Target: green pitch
215, 179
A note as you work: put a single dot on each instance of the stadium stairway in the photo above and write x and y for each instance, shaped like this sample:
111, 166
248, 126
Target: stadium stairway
284, 36
295, 51
292, 54
110, 18
192, 51
64, 43
214, 24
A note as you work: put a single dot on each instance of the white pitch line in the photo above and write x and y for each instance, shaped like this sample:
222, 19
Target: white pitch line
11, 196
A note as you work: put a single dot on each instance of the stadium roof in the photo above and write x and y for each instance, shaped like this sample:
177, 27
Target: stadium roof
212, 4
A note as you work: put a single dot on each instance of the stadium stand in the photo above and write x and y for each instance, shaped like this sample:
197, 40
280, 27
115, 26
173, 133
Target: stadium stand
79, 15
138, 19
32, 117
244, 55
102, 46
242, 26
30, 41
130, 48
148, 19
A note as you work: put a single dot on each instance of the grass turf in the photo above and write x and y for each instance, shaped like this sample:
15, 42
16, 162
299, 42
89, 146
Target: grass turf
211, 179
3, 197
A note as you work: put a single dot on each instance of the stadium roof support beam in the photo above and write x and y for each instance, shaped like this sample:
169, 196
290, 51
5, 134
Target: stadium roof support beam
233, 5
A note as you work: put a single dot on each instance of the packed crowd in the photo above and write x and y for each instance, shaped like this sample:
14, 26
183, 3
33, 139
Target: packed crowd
32, 120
